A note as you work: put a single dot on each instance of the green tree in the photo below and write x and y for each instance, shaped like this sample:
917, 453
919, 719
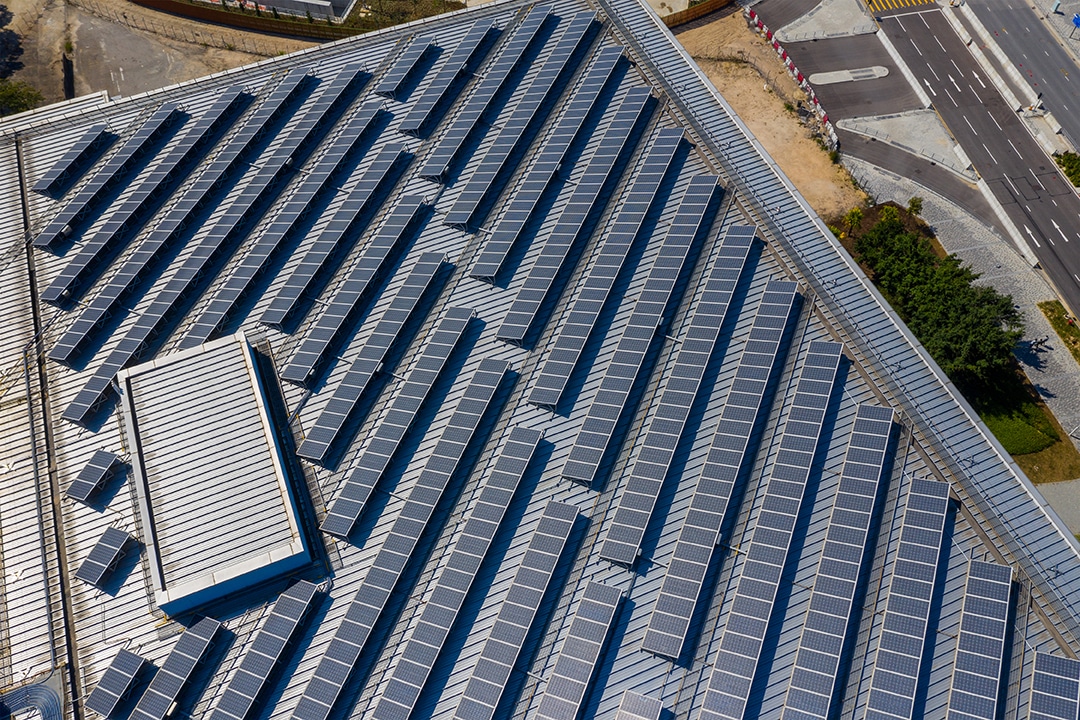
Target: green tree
914, 205
17, 96
853, 218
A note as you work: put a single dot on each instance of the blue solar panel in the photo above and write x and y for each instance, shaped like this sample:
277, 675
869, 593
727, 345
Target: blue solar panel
205, 191
404, 68
635, 706
564, 356
343, 514
75, 161
1055, 688
590, 196
694, 217
517, 132
173, 676
124, 223
103, 556
523, 203
115, 683
980, 650
92, 476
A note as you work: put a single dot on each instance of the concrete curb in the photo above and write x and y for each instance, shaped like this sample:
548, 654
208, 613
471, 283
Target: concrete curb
991, 44
904, 69
980, 58
858, 126
1008, 224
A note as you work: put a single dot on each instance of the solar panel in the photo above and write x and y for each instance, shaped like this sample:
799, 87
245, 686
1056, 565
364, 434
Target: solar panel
980, 650
103, 557
441, 610
101, 249
700, 533
658, 448
115, 683
590, 197
635, 706
265, 653
326, 432
693, 219
206, 189
65, 171
349, 299
517, 132
96, 473
307, 280
521, 206
1055, 688
221, 240
343, 514
464, 61
494, 83
907, 610
405, 68
516, 613
317, 182
116, 169
580, 653
560, 362
170, 680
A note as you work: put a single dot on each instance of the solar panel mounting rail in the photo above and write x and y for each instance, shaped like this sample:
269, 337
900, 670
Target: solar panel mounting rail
96, 473
693, 219
442, 608
1055, 688
103, 557
372, 463
625, 229
174, 674
590, 197
78, 158
404, 68
115, 683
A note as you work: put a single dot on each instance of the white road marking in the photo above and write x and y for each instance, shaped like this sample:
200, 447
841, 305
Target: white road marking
916, 47
1032, 236
927, 83
995, 121
1077, 278
980, 80
954, 83
969, 124
1013, 186
972, 89
1015, 150
1054, 201
935, 74
950, 96
901, 24
957, 67
938, 42
1058, 228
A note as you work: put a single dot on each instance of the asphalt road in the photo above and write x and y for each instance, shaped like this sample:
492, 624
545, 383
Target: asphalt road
998, 144
778, 13
1037, 54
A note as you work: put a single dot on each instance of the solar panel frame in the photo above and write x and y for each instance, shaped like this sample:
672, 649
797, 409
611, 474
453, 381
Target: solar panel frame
173, 675
103, 557
1055, 688
635, 706
405, 67
95, 473
79, 157
115, 683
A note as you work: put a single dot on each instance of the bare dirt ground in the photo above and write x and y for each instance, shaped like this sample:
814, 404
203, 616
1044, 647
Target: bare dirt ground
747, 72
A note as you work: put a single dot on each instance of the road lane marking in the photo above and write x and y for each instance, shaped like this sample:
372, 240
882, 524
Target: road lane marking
1015, 150
1058, 228
938, 42
950, 96
932, 70
969, 124
957, 67
995, 120
927, 83
916, 47
1032, 236
954, 83
1013, 186
979, 79
990, 153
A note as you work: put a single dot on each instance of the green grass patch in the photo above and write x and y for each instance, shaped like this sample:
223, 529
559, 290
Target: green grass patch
1070, 163
1064, 325
1021, 429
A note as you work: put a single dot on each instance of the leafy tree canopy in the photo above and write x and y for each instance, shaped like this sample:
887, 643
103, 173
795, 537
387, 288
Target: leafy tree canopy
17, 96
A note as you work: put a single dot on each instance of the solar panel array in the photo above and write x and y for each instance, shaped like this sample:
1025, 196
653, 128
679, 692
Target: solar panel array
494, 83
111, 174
65, 171
700, 532
653, 460
611, 401
95, 474
1055, 688
405, 68
266, 652
625, 228
106, 552
907, 612
306, 281
736, 663
175, 672
400, 227
326, 432
204, 191
441, 610
520, 208
580, 653
465, 58
980, 651
635, 706
357, 488
519, 129
115, 683
590, 196
838, 576
517, 613
317, 182
101, 249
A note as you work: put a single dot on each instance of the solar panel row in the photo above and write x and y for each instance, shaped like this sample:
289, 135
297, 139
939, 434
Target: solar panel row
517, 613
115, 683
838, 577
265, 653
980, 651
113, 172
693, 219
700, 533
625, 228
269, 245
95, 474
175, 672
401, 225
357, 488
657, 449
405, 68
635, 706
1055, 688
907, 610
520, 207
101, 249
517, 132
205, 191
495, 83
590, 197
327, 430
580, 653
103, 556
441, 610
80, 156
736, 664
